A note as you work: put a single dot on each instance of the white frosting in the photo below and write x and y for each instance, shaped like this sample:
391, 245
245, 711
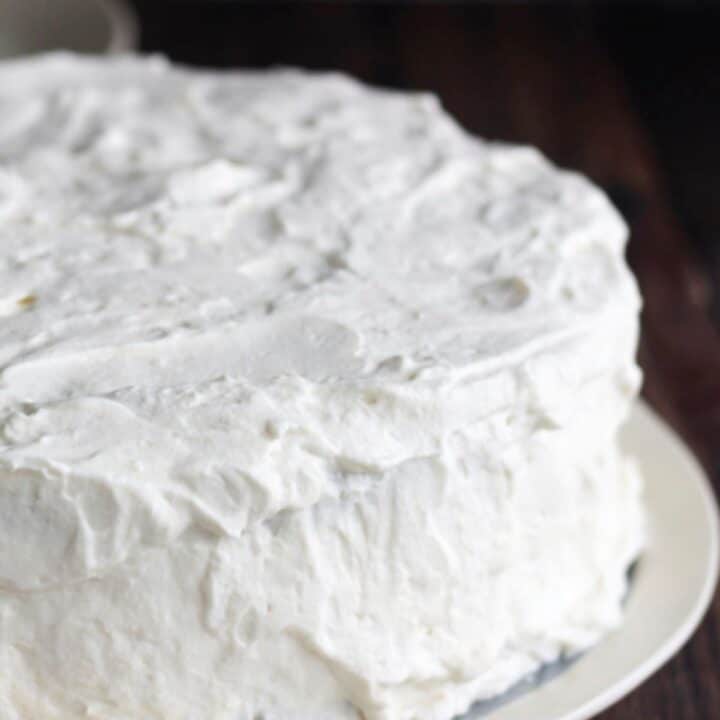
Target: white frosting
308, 400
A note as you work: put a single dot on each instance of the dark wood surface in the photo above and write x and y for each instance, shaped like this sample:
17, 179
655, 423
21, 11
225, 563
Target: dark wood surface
629, 96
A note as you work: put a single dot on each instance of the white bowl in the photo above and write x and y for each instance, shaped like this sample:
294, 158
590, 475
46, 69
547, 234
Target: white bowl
86, 26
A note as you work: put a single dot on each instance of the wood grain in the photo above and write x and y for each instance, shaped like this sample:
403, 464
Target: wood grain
548, 78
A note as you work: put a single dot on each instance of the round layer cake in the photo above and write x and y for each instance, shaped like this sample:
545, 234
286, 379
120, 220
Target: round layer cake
309, 400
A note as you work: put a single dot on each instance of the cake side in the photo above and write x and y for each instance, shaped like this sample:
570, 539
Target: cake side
309, 400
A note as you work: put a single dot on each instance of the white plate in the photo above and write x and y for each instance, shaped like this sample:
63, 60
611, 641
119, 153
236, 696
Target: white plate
90, 26
672, 585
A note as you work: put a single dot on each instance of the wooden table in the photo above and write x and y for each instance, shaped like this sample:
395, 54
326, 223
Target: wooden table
631, 97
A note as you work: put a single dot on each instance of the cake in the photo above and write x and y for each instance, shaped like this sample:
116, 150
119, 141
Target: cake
309, 400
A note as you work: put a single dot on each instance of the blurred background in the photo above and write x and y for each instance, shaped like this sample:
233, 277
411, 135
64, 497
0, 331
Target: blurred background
627, 94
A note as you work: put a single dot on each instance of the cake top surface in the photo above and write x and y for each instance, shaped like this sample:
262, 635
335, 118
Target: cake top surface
268, 223
189, 261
